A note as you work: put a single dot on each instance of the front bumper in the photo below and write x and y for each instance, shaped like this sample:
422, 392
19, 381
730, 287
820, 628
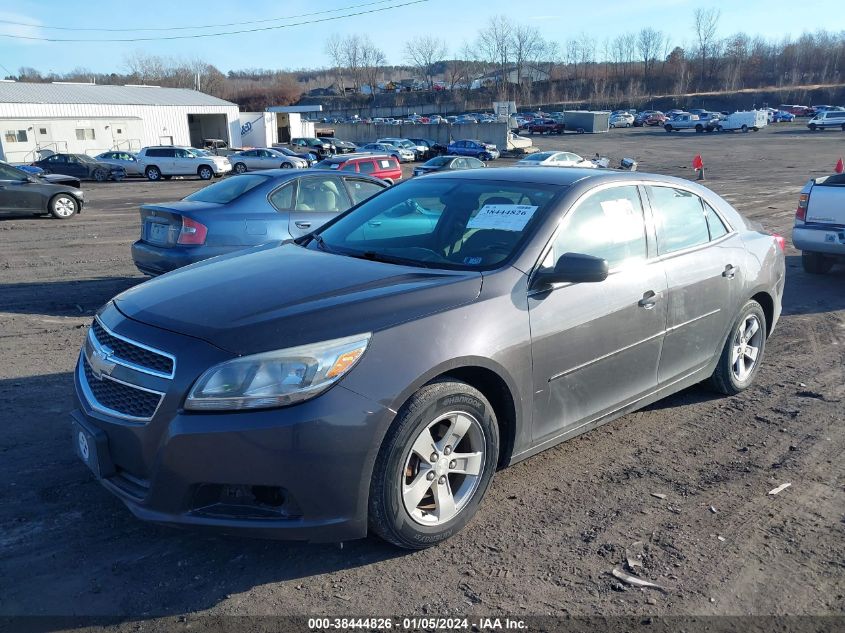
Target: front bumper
298, 473
222, 168
827, 239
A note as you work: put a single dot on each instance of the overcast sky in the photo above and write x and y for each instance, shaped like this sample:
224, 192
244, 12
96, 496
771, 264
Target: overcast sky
301, 46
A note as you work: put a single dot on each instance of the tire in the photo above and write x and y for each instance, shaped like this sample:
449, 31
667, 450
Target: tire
153, 173
239, 168
699, 128
843, 127
63, 206
812, 127
756, 129
285, 166
100, 175
668, 128
738, 366
816, 263
627, 125
744, 129
426, 422
205, 172
167, 177
485, 157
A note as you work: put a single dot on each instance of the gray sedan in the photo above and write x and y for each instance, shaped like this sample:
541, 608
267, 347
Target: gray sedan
252, 159
374, 375
127, 160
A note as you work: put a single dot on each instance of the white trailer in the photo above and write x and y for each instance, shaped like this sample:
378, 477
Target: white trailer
744, 121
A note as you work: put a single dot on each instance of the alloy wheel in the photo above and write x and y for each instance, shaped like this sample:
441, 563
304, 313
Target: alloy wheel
443, 468
64, 207
746, 347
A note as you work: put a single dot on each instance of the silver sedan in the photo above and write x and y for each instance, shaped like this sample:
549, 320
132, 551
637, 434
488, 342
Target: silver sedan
265, 159
127, 160
556, 159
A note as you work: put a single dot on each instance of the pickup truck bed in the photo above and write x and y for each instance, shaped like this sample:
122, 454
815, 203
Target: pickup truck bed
819, 230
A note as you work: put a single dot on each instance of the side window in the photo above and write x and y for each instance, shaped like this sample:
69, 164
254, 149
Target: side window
679, 217
366, 167
362, 189
608, 224
182, 153
348, 167
714, 223
385, 163
321, 194
282, 198
56, 158
10, 173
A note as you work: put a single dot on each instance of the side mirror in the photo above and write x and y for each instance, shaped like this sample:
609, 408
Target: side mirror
574, 268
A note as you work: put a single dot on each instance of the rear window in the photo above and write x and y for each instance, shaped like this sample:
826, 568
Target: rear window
161, 152
328, 164
387, 163
227, 190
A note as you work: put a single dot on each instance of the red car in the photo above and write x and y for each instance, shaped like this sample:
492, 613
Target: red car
655, 118
378, 166
797, 110
546, 126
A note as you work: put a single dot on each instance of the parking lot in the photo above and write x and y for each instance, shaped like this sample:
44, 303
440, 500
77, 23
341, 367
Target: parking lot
550, 529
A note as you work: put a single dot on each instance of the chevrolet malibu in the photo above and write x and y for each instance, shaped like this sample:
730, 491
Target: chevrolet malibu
374, 374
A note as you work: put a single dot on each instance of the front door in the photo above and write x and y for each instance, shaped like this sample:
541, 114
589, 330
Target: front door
596, 346
17, 193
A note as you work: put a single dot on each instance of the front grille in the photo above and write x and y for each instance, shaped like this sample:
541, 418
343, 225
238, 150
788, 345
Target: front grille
126, 351
120, 398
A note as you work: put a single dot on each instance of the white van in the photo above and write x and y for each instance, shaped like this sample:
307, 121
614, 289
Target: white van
750, 120
826, 119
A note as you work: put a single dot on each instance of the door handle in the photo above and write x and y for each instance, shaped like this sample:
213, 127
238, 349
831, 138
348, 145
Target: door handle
648, 301
303, 225
729, 272
374, 223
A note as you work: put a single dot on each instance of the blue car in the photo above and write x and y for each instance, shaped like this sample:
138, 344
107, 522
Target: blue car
31, 169
782, 116
243, 211
474, 148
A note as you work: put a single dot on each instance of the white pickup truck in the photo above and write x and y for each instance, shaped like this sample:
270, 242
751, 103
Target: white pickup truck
819, 230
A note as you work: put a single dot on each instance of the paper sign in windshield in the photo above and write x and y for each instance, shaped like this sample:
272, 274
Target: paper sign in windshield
504, 217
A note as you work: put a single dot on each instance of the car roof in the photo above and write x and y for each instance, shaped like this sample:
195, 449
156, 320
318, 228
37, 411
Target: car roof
563, 176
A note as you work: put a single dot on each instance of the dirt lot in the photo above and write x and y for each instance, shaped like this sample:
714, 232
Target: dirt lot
550, 529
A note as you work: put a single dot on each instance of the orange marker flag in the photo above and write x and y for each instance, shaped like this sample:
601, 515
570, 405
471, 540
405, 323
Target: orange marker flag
840, 167
697, 162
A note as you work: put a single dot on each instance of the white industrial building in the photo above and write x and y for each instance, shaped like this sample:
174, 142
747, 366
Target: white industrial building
90, 119
278, 124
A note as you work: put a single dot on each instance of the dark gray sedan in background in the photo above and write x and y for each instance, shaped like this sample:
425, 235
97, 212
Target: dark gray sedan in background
374, 374
243, 211
23, 193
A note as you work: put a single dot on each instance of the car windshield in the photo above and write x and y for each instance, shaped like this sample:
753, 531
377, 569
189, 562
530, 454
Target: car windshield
227, 190
538, 157
442, 223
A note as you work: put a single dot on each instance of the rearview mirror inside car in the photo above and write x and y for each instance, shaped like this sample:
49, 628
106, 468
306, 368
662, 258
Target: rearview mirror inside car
573, 268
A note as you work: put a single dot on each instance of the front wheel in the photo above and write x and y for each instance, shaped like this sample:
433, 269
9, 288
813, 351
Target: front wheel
743, 351
812, 127
485, 157
434, 466
816, 263
667, 127
239, 168
101, 175
286, 166
744, 129
63, 206
152, 173
205, 173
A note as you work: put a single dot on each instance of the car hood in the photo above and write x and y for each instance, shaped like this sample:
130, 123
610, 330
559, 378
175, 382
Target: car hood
281, 295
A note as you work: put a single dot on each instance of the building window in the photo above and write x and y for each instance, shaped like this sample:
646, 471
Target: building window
42, 130
119, 131
85, 134
13, 136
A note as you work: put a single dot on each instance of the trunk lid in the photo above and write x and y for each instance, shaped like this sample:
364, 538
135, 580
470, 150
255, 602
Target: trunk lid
161, 223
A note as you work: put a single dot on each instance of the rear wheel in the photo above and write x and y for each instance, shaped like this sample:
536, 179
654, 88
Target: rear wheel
485, 157
744, 128
152, 173
63, 206
743, 351
434, 466
205, 172
239, 168
101, 175
816, 263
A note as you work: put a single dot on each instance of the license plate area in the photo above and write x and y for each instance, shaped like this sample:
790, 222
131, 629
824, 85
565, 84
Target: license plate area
158, 233
92, 448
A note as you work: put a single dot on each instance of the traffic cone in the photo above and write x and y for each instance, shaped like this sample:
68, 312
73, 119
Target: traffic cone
698, 165
840, 167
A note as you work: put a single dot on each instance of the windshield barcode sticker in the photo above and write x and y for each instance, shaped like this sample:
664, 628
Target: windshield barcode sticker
504, 217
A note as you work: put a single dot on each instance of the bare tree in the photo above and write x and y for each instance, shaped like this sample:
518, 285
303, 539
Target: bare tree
706, 22
423, 53
372, 63
495, 44
527, 43
334, 51
650, 43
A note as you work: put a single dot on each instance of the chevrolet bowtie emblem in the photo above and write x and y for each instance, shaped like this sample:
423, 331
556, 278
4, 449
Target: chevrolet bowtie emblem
101, 363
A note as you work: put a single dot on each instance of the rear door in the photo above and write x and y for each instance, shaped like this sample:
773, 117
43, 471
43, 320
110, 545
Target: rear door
184, 163
704, 279
827, 201
318, 199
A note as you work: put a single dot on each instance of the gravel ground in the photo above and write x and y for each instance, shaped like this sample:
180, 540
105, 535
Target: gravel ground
551, 528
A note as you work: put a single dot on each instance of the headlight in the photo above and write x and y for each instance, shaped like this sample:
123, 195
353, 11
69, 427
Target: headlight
276, 379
